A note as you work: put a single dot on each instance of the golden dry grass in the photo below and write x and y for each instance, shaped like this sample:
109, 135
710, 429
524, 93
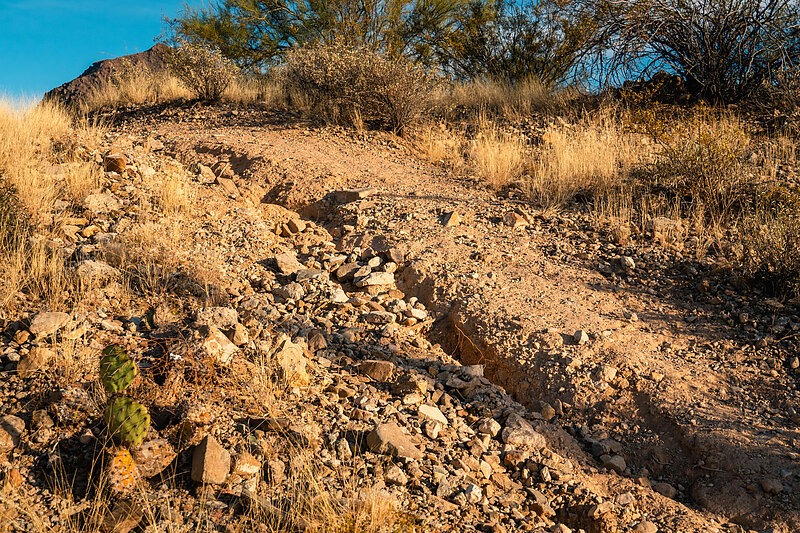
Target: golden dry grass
134, 87
39, 164
510, 101
497, 156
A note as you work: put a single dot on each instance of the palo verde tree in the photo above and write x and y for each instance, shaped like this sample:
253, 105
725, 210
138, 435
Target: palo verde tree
725, 50
256, 34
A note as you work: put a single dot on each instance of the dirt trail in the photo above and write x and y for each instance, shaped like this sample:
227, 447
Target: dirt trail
663, 378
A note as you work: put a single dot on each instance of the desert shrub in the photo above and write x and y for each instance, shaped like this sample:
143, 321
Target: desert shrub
770, 239
203, 70
349, 84
702, 162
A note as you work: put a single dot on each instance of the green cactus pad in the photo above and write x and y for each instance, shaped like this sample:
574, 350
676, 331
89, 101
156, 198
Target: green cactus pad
117, 370
127, 420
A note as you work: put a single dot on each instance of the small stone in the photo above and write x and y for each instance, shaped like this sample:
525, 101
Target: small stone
451, 219
122, 518
473, 493
102, 203
218, 347
519, 432
276, 470
11, 430
395, 476
218, 317
287, 264
580, 337
606, 373
45, 324
772, 486
245, 465
430, 412
205, 175
561, 528
665, 489
489, 426
378, 370
115, 162
375, 279
615, 463
153, 457
645, 527
514, 220
296, 225
389, 439
432, 428
627, 263
35, 360
292, 362
211, 463
240, 335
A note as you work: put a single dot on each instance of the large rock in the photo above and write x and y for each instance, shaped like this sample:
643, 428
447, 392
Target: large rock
45, 324
375, 279
211, 463
377, 370
519, 432
35, 360
219, 317
102, 203
217, 346
292, 362
287, 264
389, 439
11, 430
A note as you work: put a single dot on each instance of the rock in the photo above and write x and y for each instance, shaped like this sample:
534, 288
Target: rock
606, 373
615, 463
429, 412
338, 296
287, 264
561, 528
389, 439
451, 219
665, 489
102, 203
292, 291
246, 466
395, 476
122, 518
276, 471
153, 457
296, 225
514, 220
11, 430
378, 370
35, 360
380, 317
352, 195
645, 527
115, 162
473, 493
240, 335
580, 337
431, 429
772, 486
292, 363
489, 426
410, 384
218, 346
375, 279
627, 263
519, 432
218, 317
96, 272
211, 463
205, 175
45, 324
346, 271
317, 342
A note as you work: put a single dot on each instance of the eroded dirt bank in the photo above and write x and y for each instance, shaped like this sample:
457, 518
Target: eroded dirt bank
668, 377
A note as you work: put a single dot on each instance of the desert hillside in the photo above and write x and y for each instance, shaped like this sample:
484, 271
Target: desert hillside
513, 314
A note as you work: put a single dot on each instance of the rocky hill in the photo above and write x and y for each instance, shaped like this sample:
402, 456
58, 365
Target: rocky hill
333, 335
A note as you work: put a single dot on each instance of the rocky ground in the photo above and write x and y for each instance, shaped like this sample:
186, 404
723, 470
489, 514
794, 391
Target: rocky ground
329, 328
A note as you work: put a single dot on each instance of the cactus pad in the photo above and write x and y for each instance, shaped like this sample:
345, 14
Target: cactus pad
121, 471
117, 369
127, 420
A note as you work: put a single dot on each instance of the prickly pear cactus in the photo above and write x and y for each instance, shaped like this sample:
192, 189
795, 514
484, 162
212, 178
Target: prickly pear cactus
121, 471
127, 420
117, 369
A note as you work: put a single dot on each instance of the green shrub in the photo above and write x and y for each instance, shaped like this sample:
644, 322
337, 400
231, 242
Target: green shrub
354, 85
202, 70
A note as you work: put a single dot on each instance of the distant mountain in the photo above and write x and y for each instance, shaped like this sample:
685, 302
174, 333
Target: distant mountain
75, 91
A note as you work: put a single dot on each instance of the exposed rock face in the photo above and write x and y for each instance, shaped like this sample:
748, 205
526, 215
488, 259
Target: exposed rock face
73, 93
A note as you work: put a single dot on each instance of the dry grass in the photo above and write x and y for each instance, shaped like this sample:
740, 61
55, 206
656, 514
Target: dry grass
513, 102
497, 156
40, 163
440, 144
135, 87
587, 158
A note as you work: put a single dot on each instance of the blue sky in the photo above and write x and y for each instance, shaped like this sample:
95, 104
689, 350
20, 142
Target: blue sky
44, 43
